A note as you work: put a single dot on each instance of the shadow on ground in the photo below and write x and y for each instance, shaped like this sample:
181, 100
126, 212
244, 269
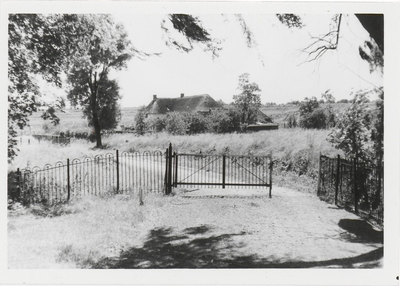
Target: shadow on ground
360, 231
196, 247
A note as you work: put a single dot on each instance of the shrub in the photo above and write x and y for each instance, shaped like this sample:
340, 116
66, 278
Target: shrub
291, 121
330, 117
156, 124
307, 106
196, 123
140, 124
224, 121
175, 124
315, 120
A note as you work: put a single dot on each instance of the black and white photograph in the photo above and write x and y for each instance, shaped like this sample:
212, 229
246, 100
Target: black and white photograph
188, 143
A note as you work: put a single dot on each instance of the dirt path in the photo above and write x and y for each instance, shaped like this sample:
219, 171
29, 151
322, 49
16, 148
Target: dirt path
288, 231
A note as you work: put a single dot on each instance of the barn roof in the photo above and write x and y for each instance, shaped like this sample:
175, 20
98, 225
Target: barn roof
194, 103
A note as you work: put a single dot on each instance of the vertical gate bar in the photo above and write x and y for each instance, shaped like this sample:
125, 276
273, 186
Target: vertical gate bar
337, 179
223, 170
68, 180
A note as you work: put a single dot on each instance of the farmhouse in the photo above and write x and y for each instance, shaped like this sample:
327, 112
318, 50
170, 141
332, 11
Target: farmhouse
203, 104
196, 103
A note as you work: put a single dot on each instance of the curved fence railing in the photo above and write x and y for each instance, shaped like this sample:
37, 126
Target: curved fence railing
110, 173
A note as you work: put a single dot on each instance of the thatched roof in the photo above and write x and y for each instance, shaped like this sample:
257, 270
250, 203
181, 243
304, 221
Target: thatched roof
194, 103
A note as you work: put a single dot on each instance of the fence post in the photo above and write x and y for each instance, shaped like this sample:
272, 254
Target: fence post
223, 170
68, 181
169, 168
319, 175
176, 170
355, 185
270, 174
337, 179
117, 154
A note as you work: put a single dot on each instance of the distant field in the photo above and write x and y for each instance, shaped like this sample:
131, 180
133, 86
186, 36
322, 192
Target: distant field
73, 120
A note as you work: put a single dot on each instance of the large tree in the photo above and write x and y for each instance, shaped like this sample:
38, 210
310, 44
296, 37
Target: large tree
248, 101
34, 48
85, 47
101, 46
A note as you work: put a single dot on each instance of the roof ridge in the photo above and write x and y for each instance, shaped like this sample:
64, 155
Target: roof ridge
186, 96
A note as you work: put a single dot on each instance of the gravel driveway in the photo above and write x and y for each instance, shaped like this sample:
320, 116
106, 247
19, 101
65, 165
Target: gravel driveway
215, 228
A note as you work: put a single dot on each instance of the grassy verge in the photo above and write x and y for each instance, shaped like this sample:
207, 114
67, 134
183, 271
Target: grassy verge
63, 235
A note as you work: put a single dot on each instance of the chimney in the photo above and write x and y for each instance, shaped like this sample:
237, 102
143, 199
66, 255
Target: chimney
154, 96
182, 95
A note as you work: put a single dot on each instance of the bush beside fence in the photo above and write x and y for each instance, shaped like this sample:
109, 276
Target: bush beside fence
352, 185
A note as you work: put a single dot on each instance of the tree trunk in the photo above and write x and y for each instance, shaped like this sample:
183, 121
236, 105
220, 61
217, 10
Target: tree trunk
96, 124
97, 130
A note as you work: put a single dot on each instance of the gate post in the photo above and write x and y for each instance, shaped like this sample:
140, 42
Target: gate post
223, 170
337, 179
170, 168
176, 170
168, 171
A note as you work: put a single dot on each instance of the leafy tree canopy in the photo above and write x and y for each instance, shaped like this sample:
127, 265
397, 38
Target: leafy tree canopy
352, 132
248, 101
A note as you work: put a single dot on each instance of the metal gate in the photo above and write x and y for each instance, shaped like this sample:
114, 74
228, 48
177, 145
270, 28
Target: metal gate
193, 170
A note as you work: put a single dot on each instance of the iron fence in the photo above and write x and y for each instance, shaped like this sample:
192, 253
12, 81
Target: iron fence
352, 185
193, 170
110, 173
126, 172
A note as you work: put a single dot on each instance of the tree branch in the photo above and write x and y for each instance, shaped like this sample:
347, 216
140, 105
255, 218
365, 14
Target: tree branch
315, 51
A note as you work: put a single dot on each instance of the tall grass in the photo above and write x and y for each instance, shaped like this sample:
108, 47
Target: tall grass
292, 149
295, 152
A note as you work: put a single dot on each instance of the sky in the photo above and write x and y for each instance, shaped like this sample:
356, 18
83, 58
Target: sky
276, 63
